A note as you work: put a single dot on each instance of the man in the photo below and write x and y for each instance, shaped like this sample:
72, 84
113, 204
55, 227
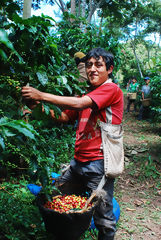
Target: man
78, 57
105, 103
133, 88
145, 91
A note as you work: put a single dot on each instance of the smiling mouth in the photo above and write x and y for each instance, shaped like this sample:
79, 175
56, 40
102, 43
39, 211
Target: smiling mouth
93, 75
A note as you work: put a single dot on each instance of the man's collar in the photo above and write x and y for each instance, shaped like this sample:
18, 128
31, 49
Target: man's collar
107, 81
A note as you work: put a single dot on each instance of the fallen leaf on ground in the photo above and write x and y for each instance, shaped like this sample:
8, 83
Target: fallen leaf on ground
138, 202
144, 200
130, 209
150, 185
140, 217
133, 152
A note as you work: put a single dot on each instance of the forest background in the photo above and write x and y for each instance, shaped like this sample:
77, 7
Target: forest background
38, 50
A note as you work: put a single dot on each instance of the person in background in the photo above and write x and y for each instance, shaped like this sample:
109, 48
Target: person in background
117, 82
104, 102
133, 88
145, 91
128, 84
78, 57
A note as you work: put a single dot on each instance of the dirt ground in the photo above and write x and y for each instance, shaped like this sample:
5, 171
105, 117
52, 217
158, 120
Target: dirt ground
139, 197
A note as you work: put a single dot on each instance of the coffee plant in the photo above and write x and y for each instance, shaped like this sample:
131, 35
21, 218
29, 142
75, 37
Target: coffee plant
39, 51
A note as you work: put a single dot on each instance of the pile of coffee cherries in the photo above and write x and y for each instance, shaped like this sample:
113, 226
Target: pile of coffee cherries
66, 203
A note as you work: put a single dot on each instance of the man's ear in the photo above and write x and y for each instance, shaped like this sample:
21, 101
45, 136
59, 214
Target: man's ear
110, 69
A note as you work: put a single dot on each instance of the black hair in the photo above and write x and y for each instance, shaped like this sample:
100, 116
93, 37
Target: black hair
96, 53
133, 77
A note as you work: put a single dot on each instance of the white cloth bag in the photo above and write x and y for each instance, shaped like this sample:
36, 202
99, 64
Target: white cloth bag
112, 141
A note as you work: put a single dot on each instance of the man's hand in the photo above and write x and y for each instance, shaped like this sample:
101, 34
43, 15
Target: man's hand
32, 98
30, 93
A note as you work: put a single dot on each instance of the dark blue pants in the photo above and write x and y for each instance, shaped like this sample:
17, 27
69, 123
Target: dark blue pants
143, 112
87, 176
129, 102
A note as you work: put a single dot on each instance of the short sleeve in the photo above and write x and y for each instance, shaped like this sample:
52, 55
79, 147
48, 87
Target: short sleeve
72, 114
105, 95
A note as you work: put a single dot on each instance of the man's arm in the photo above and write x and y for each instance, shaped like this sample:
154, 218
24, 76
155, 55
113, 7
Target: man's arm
75, 103
143, 95
62, 118
142, 92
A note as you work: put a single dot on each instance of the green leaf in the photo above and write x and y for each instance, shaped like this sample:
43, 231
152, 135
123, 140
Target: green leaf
4, 39
46, 109
33, 167
69, 88
2, 143
2, 53
48, 17
64, 79
7, 132
12, 7
32, 29
23, 127
42, 77
38, 114
3, 120
54, 46
58, 91
78, 88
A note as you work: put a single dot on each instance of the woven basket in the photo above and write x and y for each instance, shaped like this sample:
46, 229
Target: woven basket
146, 102
132, 96
65, 226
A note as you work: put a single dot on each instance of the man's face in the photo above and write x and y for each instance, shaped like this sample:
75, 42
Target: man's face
134, 80
96, 71
147, 81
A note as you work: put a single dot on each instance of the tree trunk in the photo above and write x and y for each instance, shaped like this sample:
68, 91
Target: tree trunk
148, 51
79, 8
83, 8
100, 26
91, 11
82, 12
27, 9
93, 5
137, 60
134, 49
73, 7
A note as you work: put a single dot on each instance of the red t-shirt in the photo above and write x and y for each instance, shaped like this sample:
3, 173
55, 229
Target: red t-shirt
109, 100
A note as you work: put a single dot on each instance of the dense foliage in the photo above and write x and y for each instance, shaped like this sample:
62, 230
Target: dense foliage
40, 52
28, 218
